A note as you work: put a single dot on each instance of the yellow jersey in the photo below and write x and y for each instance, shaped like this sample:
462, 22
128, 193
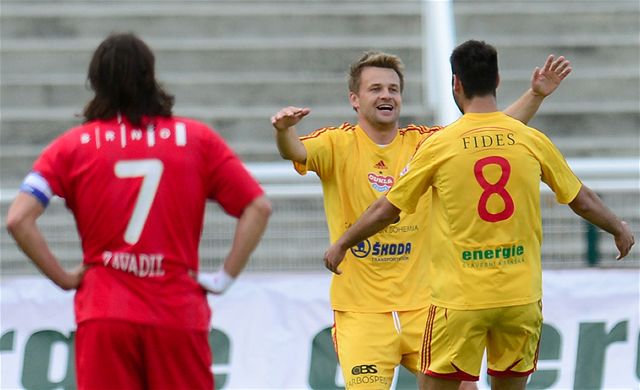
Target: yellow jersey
485, 225
386, 272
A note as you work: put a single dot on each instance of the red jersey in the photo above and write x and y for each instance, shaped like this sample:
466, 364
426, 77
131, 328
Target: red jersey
138, 196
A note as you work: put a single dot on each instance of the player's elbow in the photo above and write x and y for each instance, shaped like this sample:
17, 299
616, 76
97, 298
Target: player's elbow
299, 157
11, 225
16, 222
583, 203
262, 208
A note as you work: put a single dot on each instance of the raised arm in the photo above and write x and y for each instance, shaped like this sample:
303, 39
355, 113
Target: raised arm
289, 145
543, 82
21, 224
249, 229
380, 214
589, 206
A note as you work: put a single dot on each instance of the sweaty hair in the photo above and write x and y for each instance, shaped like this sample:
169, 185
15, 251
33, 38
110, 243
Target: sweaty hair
378, 60
475, 63
122, 76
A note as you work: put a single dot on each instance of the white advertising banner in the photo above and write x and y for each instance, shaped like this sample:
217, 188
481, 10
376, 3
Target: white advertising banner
271, 331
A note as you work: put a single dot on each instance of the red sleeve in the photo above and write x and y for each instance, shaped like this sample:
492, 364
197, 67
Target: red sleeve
52, 167
229, 182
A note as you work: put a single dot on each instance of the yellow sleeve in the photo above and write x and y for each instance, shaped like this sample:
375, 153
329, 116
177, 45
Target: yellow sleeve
319, 146
415, 180
556, 172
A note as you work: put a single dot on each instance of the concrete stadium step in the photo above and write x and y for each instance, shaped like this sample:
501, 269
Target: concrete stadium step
313, 54
310, 89
604, 145
171, 18
245, 89
582, 86
210, 19
529, 18
253, 54
585, 52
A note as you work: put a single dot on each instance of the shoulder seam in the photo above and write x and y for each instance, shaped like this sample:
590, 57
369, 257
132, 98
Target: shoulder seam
420, 129
345, 127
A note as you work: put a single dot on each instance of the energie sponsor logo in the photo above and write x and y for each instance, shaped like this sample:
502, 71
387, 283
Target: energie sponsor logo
489, 257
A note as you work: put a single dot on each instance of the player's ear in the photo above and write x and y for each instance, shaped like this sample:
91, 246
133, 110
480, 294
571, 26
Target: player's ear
456, 84
354, 100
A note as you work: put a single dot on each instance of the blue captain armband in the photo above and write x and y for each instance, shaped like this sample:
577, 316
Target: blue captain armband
37, 186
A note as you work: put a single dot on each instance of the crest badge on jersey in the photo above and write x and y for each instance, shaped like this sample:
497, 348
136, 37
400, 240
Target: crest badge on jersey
380, 183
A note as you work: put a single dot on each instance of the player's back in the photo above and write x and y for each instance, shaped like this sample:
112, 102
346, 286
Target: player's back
136, 189
138, 196
489, 180
485, 170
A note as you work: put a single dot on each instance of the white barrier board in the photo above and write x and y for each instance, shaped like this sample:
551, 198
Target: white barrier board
270, 331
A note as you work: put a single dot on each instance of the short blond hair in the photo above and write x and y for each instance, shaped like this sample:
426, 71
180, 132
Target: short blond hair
375, 59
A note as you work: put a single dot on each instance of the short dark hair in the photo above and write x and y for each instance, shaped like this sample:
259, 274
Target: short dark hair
475, 63
122, 76
374, 59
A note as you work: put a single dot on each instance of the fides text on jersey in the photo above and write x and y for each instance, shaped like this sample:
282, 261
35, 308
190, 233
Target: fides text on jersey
488, 141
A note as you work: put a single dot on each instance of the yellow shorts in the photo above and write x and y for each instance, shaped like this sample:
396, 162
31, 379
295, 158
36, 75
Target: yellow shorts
371, 345
455, 340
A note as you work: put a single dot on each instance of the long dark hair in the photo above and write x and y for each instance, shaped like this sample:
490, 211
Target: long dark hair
122, 76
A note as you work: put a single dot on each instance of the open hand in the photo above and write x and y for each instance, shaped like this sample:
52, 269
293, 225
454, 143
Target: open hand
288, 116
544, 81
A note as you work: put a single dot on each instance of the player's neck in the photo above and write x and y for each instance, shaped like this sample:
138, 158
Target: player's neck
481, 104
381, 134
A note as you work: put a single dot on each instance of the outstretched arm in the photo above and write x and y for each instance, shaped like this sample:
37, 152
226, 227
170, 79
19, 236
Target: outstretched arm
380, 214
289, 145
249, 229
21, 224
543, 82
589, 206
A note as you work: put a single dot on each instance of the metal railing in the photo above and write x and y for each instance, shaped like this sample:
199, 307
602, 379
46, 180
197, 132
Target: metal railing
297, 235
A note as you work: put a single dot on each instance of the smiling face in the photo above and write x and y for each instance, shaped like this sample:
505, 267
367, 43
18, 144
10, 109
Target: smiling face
379, 99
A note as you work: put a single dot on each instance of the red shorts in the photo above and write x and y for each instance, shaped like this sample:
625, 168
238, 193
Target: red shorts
114, 354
